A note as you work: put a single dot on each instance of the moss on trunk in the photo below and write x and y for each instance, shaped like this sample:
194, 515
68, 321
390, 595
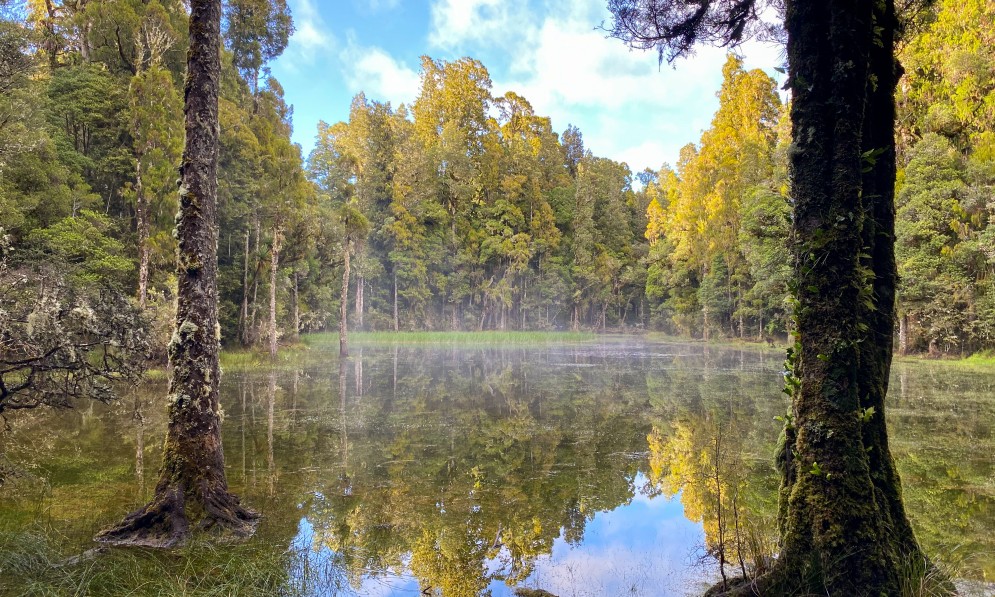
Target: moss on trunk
192, 492
843, 527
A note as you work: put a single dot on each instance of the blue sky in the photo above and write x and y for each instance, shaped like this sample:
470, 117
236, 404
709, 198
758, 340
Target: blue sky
627, 107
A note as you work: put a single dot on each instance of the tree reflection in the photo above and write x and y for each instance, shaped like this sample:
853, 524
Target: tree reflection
455, 469
466, 473
706, 450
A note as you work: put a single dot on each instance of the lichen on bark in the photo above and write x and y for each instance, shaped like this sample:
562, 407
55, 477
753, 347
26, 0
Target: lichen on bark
192, 492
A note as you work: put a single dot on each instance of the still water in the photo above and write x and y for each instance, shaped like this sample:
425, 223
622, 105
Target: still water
618, 467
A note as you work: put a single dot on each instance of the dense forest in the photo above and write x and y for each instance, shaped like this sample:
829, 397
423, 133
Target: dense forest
463, 210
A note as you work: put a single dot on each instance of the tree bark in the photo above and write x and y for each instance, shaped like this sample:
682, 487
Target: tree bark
842, 527
144, 226
297, 307
344, 301
903, 335
360, 284
192, 491
253, 337
245, 292
395, 303
274, 266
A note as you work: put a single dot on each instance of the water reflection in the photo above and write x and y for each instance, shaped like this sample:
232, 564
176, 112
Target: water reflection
610, 468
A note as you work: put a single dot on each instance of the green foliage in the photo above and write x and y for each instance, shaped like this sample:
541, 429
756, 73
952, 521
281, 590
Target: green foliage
479, 215
85, 242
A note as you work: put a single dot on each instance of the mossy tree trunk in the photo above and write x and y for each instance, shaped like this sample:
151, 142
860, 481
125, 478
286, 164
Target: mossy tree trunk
843, 526
876, 347
192, 492
834, 531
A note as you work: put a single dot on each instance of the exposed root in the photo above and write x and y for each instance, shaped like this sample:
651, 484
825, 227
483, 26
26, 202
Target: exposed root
165, 523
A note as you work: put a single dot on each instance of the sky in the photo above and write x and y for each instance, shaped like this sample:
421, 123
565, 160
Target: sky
628, 107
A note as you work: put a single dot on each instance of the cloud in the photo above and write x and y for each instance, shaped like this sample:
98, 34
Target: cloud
311, 35
378, 74
628, 107
494, 23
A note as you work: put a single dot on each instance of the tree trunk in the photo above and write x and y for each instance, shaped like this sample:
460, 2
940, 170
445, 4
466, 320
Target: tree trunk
192, 490
344, 302
255, 286
245, 292
903, 335
274, 266
395, 303
360, 283
297, 308
840, 532
144, 226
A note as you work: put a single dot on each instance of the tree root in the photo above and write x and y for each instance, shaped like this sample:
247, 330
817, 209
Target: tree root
166, 521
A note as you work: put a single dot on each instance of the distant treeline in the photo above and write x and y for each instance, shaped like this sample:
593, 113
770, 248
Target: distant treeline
464, 210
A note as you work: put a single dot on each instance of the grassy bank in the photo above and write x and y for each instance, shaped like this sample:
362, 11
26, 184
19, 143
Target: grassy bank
243, 359
35, 561
979, 361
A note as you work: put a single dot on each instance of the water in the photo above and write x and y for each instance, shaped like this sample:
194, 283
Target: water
604, 468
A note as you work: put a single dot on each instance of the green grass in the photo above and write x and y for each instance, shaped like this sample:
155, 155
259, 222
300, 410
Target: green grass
245, 359
463, 338
35, 562
723, 342
984, 360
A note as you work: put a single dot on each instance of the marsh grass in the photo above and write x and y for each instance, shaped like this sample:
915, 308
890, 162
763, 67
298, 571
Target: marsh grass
938, 577
33, 563
249, 359
981, 361
735, 343
489, 338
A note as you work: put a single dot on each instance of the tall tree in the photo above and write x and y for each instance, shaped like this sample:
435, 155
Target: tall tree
154, 107
843, 526
256, 31
355, 228
192, 490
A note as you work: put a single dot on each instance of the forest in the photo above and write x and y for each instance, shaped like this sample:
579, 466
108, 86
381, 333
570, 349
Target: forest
464, 210
844, 210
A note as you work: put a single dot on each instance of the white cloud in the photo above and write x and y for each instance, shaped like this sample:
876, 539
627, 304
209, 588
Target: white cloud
378, 74
627, 106
311, 35
494, 23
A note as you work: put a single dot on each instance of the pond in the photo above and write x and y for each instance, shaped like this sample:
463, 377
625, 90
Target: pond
609, 467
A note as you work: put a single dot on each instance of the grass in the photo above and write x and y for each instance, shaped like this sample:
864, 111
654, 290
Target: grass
242, 359
32, 563
984, 360
462, 338
721, 341
919, 577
